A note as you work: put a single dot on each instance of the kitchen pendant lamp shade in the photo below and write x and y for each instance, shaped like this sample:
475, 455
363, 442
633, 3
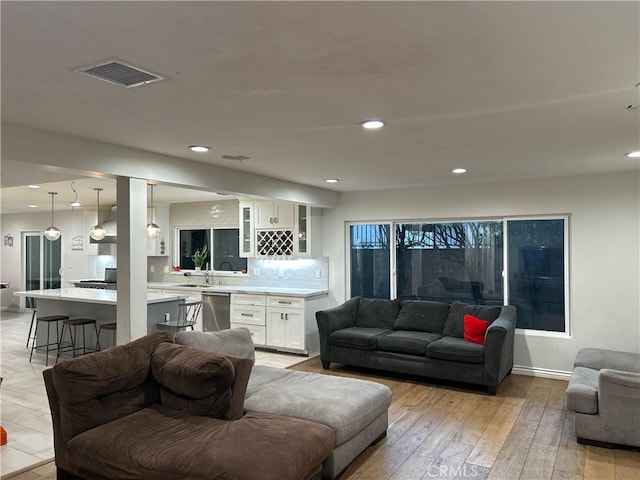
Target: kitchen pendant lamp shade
52, 233
153, 230
97, 232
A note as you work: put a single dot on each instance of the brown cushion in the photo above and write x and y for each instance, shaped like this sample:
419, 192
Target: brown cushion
162, 443
97, 388
192, 380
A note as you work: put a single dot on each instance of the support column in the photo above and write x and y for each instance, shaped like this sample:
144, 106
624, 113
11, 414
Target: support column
132, 259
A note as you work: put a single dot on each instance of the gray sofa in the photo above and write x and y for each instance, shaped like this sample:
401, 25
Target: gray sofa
604, 393
419, 338
356, 410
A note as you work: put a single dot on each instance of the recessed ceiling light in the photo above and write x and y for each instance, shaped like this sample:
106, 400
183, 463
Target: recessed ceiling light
33, 186
199, 148
32, 206
332, 180
458, 171
74, 204
372, 124
635, 154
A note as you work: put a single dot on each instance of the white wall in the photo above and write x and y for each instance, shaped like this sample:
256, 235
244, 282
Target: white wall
76, 264
604, 249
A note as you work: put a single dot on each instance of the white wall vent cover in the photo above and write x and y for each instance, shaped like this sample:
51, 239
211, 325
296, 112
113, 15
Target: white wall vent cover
119, 73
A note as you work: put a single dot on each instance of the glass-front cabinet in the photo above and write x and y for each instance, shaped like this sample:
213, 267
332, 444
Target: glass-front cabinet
301, 246
247, 248
289, 236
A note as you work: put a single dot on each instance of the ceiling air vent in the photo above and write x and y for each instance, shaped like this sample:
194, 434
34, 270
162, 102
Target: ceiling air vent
119, 73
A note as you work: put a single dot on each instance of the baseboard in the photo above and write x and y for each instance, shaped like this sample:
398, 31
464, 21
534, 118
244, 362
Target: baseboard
541, 372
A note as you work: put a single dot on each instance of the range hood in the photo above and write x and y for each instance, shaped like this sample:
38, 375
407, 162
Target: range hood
110, 227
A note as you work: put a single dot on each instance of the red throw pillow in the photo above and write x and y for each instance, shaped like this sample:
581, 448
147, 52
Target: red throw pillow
474, 329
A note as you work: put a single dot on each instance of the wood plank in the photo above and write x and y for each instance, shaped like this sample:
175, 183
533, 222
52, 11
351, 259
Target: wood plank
627, 464
492, 440
599, 464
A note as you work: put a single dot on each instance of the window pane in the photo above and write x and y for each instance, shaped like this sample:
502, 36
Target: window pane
370, 260
450, 261
226, 250
536, 273
190, 241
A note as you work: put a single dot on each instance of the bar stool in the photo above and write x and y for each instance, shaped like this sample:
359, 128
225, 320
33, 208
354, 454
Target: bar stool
107, 326
33, 321
49, 346
187, 317
75, 323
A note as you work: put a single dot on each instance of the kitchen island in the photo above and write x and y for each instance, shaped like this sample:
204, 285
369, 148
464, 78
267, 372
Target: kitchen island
99, 305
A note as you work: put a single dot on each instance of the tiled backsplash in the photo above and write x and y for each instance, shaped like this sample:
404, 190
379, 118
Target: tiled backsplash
292, 273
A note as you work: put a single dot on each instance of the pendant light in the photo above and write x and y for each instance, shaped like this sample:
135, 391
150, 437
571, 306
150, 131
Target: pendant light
75, 202
97, 232
52, 233
153, 230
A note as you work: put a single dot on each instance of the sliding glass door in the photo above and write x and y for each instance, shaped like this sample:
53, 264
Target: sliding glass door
42, 260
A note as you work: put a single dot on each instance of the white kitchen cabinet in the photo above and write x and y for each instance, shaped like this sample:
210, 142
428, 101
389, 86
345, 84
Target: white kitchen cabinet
159, 246
247, 236
248, 311
307, 234
291, 323
273, 215
285, 328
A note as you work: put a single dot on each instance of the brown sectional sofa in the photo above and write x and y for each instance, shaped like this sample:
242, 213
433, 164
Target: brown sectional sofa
419, 337
153, 409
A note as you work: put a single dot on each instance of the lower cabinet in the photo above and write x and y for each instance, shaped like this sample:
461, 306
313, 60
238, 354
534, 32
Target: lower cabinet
248, 310
280, 322
285, 328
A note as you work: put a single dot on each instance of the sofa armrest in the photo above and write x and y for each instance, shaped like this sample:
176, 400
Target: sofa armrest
337, 318
498, 346
619, 404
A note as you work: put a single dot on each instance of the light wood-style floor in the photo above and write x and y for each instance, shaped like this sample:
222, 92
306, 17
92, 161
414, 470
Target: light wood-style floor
443, 431
439, 431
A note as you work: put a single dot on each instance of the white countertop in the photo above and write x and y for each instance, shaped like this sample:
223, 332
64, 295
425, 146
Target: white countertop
91, 295
293, 292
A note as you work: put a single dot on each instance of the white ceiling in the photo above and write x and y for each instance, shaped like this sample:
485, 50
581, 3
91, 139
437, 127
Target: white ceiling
508, 90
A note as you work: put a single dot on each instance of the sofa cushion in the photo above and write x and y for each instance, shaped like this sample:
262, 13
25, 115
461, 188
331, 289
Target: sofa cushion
95, 389
423, 316
236, 342
598, 358
456, 350
192, 380
407, 341
475, 329
377, 312
163, 443
357, 337
582, 392
454, 326
347, 405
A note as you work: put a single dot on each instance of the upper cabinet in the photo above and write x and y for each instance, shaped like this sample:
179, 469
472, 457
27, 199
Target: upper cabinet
159, 246
278, 229
272, 215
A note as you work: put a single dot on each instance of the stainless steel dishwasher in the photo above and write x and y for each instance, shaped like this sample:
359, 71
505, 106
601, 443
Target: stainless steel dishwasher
215, 311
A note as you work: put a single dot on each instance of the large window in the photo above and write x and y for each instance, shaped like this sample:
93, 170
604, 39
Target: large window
370, 260
537, 273
490, 262
223, 249
450, 261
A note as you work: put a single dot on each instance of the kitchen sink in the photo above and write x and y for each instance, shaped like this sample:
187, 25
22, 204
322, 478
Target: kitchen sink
190, 285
